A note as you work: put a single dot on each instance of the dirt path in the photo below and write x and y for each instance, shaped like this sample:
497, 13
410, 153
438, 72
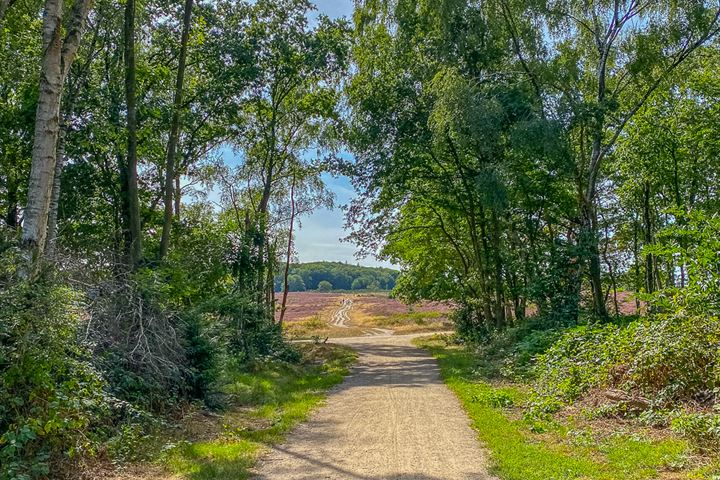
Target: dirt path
341, 317
392, 418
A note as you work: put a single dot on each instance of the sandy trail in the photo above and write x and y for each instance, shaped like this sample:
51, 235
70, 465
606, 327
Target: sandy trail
341, 317
392, 418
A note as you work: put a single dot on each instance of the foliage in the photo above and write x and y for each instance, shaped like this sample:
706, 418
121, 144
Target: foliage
342, 276
53, 404
325, 286
296, 283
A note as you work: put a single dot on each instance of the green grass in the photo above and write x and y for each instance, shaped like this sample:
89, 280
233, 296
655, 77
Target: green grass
269, 402
553, 450
417, 318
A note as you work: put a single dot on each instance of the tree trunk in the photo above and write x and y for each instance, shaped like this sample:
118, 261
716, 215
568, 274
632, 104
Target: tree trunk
636, 261
591, 250
647, 221
288, 256
175, 132
178, 196
51, 242
500, 313
58, 55
47, 127
128, 172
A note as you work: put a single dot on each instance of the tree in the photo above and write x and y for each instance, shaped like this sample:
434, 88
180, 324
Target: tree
462, 179
59, 54
288, 255
291, 107
170, 164
325, 286
128, 169
610, 59
296, 284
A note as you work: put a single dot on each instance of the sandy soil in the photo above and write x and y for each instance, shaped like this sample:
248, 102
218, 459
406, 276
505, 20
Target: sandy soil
392, 418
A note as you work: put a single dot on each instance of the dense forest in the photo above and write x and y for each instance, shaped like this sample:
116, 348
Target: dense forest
550, 167
327, 276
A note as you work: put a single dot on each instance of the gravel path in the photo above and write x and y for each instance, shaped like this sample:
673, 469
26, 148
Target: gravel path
392, 418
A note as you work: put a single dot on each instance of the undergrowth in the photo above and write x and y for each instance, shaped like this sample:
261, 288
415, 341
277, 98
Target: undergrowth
525, 448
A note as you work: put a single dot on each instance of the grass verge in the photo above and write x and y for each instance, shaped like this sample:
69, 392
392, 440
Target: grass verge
563, 448
266, 404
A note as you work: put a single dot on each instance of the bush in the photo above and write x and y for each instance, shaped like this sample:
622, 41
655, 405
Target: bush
296, 284
51, 398
138, 342
325, 286
702, 428
583, 358
667, 360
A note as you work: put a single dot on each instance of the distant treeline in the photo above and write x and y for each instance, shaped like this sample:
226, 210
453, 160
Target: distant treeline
326, 276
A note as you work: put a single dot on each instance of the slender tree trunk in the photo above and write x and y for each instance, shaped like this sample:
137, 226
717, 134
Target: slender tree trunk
263, 211
590, 245
175, 132
11, 215
58, 55
51, 242
128, 172
288, 256
647, 221
636, 259
178, 196
47, 127
500, 313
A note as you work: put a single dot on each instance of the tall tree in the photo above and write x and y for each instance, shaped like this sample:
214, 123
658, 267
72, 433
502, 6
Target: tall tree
128, 169
171, 189
610, 57
58, 55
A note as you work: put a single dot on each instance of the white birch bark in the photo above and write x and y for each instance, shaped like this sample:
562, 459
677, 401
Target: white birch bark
58, 55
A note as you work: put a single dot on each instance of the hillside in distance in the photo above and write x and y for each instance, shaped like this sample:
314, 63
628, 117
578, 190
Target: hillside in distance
327, 276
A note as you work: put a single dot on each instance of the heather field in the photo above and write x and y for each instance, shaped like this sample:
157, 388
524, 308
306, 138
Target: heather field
311, 314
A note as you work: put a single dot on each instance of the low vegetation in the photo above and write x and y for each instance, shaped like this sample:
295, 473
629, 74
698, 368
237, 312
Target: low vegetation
634, 397
581, 443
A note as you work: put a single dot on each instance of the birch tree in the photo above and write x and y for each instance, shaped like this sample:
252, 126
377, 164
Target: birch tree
58, 55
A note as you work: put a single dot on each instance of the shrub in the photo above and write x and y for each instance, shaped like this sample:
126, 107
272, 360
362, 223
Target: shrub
50, 395
583, 358
668, 360
702, 428
137, 342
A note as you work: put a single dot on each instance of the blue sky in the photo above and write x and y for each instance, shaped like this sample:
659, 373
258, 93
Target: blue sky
319, 235
335, 8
